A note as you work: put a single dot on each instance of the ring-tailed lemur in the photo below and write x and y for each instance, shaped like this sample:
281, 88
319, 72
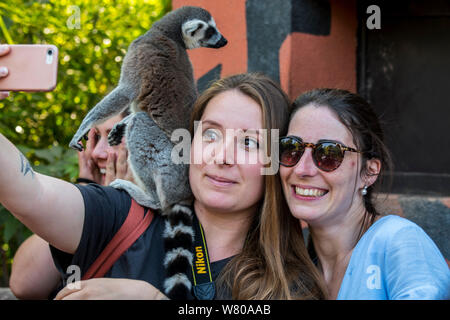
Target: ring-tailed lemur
157, 80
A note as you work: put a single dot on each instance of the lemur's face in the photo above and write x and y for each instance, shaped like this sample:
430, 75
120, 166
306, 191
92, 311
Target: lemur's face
198, 33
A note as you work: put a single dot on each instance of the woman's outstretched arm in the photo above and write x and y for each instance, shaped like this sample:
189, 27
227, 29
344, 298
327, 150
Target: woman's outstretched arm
50, 207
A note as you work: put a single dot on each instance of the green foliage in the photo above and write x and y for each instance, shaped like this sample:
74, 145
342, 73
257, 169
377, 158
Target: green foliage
92, 38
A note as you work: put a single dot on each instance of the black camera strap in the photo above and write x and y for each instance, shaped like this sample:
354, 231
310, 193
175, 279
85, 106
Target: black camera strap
204, 288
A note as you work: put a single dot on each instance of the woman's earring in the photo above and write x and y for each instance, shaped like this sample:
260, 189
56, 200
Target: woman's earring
364, 191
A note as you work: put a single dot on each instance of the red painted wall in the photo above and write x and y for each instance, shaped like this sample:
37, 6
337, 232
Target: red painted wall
310, 61
306, 61
230, 19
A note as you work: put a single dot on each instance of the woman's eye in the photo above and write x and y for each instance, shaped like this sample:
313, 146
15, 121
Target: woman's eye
251, 143
210, 135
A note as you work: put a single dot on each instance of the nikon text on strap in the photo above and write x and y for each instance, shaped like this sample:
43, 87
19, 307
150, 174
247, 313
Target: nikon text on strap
204, 288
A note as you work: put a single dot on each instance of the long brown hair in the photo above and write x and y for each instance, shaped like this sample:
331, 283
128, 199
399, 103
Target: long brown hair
274, 263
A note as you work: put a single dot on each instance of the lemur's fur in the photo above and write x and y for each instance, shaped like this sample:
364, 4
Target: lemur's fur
157, 81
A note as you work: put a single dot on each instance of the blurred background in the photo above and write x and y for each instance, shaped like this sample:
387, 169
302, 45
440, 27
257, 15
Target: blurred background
92, 38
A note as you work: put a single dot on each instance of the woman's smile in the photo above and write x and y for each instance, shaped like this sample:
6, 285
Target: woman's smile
308, 193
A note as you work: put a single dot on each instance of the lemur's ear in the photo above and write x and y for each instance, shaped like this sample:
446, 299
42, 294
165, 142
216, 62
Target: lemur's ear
192, 33
190, 28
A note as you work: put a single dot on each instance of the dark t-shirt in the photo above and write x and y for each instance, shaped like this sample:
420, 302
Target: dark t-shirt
106, 208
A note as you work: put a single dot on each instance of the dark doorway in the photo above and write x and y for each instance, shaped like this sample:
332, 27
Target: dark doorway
404, 71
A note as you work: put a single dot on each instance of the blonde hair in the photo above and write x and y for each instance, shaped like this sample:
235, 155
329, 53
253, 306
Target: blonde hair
274, 263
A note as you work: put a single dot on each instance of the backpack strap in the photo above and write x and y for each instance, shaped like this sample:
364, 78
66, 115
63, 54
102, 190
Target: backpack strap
134, 226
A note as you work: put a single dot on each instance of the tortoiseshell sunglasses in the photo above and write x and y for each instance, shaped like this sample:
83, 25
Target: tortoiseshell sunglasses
327, 155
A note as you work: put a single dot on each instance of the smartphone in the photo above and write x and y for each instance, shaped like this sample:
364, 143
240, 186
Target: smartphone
31, 67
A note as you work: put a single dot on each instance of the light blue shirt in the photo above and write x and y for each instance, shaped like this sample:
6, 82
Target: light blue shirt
395, 259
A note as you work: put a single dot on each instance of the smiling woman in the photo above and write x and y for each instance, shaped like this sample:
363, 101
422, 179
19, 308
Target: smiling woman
98, 161
332, 159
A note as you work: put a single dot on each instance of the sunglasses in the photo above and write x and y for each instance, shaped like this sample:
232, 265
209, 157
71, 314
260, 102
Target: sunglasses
327, 155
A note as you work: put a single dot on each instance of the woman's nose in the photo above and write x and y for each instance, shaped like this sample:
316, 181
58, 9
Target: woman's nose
306, 166
226, 151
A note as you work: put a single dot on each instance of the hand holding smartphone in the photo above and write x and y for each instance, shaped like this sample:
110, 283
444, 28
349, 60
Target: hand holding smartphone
30, 68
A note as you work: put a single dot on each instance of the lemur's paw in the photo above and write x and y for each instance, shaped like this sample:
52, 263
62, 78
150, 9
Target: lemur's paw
116, 134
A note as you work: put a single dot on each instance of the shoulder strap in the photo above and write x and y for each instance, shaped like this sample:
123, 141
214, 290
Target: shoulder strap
134, 226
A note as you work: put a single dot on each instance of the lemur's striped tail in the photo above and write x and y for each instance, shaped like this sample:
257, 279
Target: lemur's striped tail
178, 242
